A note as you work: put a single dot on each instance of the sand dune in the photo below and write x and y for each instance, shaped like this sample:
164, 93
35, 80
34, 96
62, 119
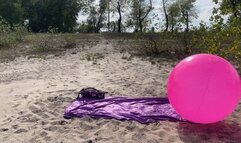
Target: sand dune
34, 93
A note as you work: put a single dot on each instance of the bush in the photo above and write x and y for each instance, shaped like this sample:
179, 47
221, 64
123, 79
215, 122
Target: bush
5, 38
19, 32
166, 44
220, 39
10, 35
4, 26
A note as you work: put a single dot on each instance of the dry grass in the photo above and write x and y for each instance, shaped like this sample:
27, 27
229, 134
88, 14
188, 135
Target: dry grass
44, 44
150, 45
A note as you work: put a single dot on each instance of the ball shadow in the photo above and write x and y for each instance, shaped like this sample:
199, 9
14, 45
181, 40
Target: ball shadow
223, 132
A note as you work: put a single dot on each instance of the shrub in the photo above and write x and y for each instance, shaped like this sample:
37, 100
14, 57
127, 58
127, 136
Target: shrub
19, 32
10, 35
5, 38
166, 44
223, 39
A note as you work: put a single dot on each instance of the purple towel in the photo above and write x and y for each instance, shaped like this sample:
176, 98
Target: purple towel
143, 110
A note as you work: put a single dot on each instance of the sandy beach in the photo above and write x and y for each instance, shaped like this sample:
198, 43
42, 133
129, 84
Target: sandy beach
34, 93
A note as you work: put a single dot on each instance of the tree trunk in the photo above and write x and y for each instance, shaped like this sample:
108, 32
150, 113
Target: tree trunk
187, 22
98, 23
108, 7
141, 27
234, 4
172, 23
114, 30
172, 27
120, 17
139, 18
185, 16
165, 13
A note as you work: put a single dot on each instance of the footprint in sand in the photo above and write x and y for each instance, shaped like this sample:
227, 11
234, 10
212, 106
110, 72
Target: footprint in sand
59, 122
15, 127
38, 112
16, 105
51, 128
162, 133
21, 131
43, 134
3, 129
28, 118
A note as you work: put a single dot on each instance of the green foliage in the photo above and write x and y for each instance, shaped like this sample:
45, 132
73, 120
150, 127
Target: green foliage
96, 17
4, 26
140, 10
20, 32
7, 41
225, 42
166, 44
173, 15
11, 11
229, 7
92, 20
179, 13
53, 30
198, 37
118, 6
10, 35
83, 28
223, 38
94, 57
188, 12
58, 14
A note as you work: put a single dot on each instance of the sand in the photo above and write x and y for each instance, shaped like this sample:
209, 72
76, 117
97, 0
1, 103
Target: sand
34, 93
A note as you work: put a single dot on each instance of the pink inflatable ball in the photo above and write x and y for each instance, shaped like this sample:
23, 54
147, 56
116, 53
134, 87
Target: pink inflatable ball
204, 88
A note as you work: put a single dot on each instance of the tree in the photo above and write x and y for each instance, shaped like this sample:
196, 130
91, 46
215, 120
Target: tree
224, 38
232, 7
139, 12
120, 17
58, 14
108, 10
11, 11
164, 5
92, 20
173, 15
97, 16
101, 11
188, 12
119, 6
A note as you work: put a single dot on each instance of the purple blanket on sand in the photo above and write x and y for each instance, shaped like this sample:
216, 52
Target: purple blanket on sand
143, 110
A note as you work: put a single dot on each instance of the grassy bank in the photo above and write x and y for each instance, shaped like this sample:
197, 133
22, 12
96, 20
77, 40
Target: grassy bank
152, 45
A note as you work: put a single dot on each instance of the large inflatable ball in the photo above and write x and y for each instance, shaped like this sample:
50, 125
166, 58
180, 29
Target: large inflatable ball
204, 88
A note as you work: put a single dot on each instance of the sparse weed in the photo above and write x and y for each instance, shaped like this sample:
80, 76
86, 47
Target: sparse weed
94, 57
51, 43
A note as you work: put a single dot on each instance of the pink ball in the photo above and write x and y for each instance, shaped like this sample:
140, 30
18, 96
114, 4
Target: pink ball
204, 88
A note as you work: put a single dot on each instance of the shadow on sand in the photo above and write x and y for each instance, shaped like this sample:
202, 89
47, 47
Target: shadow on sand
221, 132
